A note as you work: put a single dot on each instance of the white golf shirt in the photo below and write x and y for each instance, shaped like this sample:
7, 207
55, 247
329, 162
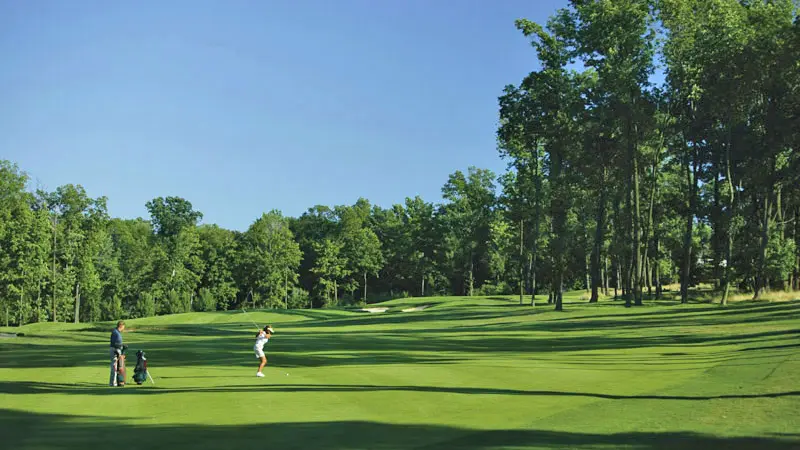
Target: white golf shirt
261, 340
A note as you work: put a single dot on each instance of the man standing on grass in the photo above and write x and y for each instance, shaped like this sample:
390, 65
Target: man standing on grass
116, 351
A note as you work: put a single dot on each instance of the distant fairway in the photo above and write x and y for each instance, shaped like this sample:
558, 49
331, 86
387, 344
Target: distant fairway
463, 373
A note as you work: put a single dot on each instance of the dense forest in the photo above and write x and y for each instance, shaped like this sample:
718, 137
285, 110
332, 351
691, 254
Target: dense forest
616, 184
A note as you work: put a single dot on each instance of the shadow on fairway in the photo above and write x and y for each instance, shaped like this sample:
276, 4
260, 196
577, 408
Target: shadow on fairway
26, 387
25, 430
397, 347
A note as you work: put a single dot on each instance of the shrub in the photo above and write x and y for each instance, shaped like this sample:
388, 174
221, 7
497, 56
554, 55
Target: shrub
146, 305
206, 301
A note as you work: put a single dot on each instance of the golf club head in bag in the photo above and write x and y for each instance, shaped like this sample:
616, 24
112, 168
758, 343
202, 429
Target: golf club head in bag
140, 371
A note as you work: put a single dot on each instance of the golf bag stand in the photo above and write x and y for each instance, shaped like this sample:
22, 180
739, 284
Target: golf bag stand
140, 371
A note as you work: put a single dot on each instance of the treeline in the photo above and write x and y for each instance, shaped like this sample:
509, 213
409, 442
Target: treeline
62, 258
615, 185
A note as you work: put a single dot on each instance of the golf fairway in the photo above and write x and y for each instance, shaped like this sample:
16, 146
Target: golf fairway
462, 373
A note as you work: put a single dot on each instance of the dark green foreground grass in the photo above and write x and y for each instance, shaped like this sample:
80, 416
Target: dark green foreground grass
463, 373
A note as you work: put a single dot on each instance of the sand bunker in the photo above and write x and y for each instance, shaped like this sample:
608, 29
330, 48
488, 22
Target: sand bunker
374, 310
418, 308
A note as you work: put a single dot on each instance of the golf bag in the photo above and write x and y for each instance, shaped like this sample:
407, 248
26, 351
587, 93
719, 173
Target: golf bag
140, 371
121, 366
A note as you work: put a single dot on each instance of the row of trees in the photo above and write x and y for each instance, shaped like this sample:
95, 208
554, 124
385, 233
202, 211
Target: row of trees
700, 172
614, 183
62, 258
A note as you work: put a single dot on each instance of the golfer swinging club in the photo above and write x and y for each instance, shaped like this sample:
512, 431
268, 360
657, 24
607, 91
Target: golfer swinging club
261, 339
115, 351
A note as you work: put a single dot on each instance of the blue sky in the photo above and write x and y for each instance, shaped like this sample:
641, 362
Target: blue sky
245, 106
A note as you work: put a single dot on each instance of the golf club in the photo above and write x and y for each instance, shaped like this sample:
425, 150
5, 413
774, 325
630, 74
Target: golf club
251, 320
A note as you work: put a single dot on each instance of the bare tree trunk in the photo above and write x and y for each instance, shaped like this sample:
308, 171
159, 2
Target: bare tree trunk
558, 298
55, 246
422, 289
599, 234
691, 183
761, 279
77, 302
796, 285
533, 279
365, 287
780, 223
471, 273
656, 261
731, 213
637, 235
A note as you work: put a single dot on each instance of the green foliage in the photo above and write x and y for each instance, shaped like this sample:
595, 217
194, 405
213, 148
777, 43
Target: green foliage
113, 310
171, 215
299, 298
499, 288
145, 305
176, 303
268, 259
206, 301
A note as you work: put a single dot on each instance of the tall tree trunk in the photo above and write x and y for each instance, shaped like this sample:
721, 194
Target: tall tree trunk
557, 295
761, 279
796, 285
532, 274
20, 319
691, 184
657, 280
780, 223
77, 302
630, 261
637, 233
471, 273
587, 278
558, 207
537, 213
649, 225
422, 288
55, 245
365, 287
730, 215
521, 262
717, 228
605, 276
599, 235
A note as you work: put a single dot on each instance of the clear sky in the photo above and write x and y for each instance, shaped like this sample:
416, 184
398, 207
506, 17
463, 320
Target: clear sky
245, 106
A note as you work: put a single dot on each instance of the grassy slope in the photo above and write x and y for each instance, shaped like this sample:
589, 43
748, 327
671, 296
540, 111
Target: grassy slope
464, 373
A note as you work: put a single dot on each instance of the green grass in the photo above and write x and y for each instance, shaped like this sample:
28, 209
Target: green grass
464, 373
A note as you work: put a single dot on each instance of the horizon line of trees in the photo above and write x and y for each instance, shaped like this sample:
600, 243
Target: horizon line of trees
614, 184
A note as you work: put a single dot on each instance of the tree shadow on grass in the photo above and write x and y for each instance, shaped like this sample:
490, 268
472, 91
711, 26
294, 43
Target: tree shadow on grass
380, 348
28, 387
25, 430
